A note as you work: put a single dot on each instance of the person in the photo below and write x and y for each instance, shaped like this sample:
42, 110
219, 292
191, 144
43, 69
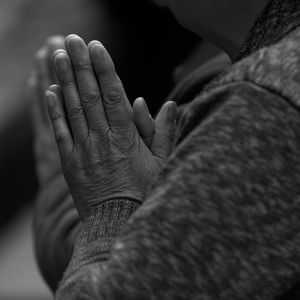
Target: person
221, 219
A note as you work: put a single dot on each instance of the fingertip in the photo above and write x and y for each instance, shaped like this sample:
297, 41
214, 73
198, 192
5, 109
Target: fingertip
55, 40
74, 44
40, 61
140, 105
94, 42
171, 103
53, 44
138, 101
54, 87
50, 98
172, 110
71, 36
55, 107
58, 52
145, 106
167, 116
41, 54
57, 55
143, 120
61, 60
97, 51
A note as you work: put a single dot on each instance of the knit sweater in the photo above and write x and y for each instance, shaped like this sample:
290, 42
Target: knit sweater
222, 218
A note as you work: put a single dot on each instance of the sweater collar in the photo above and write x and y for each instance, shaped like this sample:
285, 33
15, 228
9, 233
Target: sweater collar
278, 19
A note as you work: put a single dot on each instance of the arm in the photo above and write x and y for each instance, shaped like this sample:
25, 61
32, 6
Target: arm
56, 227
222, 221
57, 223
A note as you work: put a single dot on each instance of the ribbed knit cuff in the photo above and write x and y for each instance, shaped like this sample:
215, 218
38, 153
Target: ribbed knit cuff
109, 218
99, 233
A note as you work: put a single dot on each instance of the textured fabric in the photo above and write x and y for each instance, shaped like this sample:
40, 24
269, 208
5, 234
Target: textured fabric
222, 221
278, 19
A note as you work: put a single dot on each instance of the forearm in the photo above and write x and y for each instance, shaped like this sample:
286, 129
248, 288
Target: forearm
93, 247
56, 227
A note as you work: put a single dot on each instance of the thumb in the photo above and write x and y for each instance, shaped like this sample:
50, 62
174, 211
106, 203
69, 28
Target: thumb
165, 128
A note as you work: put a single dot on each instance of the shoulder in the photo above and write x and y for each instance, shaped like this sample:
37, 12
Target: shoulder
269, 78
238, 103
275, 68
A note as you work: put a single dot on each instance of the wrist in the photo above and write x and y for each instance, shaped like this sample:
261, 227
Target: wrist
108, 219
99, 232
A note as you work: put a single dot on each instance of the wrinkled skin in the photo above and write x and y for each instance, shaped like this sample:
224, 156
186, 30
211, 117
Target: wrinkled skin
102, 152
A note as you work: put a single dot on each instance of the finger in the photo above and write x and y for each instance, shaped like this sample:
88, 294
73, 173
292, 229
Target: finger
165, 128
41, 83
53, 43
34, 97
117, 107
41, 68
60, 127
143, 121
60, 103
90, 95
59, 96
69, 88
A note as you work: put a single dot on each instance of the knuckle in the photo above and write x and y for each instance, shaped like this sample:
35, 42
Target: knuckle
66, 80
82, 66
167, 135
55, 116
90, 97
60, 138
75, 112
114, 95
107, 66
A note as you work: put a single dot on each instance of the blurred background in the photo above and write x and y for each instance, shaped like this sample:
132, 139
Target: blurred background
147, 45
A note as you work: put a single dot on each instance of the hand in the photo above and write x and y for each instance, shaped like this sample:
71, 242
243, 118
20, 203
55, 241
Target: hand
45, 149
103, 154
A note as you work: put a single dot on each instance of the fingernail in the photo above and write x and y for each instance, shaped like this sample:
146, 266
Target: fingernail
61, 61
74, 43
50, 98
97, 52
172, 111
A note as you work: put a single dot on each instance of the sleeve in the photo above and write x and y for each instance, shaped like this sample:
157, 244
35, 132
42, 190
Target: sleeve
55, 228
222, 221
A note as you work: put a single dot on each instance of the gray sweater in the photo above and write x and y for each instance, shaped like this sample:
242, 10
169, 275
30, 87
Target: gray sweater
222, 219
